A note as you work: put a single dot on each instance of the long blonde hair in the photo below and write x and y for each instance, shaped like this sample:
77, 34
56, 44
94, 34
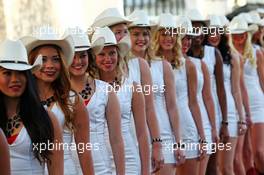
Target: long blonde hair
149, 51
121, 68
177, 53
248, 50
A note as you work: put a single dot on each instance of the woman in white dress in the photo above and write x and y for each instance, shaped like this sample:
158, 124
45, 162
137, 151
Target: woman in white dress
207, 97
235, 114
101, 103
192, 131
56, 95
28, 127
140, 73
4, 155
254, 77
131, 99
164, 93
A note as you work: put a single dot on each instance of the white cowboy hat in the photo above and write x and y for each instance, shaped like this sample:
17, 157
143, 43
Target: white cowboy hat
51, 38
224, 20
195, 16
260, 10
256, 18
13, 56
139, 18
109, 17
82, 42
215, 21
239, 25
110, 39
251, 25
167, 21
184, 26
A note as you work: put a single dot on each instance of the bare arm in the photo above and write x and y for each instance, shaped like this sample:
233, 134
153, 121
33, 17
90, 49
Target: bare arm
219, 77
192, 96
235, 85
208, 99
56, 158
151, 117
139, 114
260, 68
4, 155
244, 93
171, 106
170, 98
82, 136
113, 117
152, 122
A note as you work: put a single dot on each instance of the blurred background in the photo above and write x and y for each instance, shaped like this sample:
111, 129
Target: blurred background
23, 17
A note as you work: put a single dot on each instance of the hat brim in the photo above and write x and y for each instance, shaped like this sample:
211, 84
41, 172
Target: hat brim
66, 45
110, 21
23, 67
123, 47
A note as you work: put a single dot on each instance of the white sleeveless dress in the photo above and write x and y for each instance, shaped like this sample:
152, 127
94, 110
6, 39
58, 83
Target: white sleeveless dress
70, 167
165, 127
22, 159
134, 70
189, 132
210, 60
232, 114
132, 158
255, 93
205, 118
96, 108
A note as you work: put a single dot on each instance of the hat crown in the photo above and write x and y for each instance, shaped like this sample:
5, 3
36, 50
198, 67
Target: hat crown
110, 12
109, 17
195, 15
255, 16
184, 23
215, 21
224, 21
13, 51
166, 20
246, 17
238, 24
106, 33
80, 39
139, 17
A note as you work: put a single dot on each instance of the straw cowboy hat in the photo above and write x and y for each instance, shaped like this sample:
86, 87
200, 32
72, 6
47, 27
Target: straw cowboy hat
139, 18
110, 40
195, 16
82, 42
184, 26
13, 56
166, 20
51, 38
239, 25
109, 17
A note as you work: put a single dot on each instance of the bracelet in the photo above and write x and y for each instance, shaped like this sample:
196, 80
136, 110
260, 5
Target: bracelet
156, 140
178, 145
241, 122
224, 122
203, 141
